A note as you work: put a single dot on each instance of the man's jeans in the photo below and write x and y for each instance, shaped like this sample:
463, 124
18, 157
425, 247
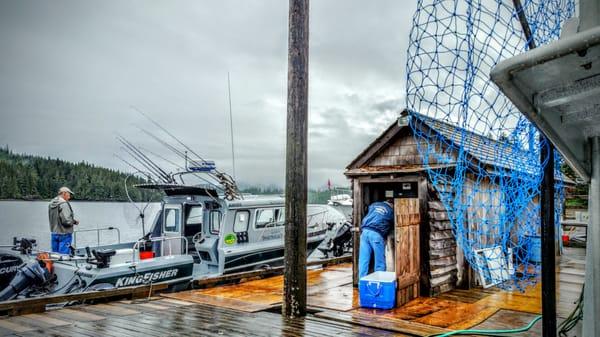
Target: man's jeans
371, 243
61, 242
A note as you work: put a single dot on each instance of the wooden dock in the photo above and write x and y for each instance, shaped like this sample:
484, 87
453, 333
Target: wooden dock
253, 309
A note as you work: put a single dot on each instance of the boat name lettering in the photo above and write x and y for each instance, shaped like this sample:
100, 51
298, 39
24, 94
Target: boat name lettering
145, 278
10, 269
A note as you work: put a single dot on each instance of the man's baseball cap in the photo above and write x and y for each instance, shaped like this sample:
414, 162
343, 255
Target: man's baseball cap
65, 189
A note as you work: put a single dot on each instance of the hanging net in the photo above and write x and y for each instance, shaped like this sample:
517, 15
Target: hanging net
481, 154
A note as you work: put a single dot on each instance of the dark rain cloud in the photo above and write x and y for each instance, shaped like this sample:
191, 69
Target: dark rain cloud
70, 72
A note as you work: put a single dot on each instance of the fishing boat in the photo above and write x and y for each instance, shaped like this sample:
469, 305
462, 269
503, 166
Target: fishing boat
202, 230
196, 234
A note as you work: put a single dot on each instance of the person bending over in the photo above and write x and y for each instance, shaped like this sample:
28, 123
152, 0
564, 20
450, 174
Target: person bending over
374, 230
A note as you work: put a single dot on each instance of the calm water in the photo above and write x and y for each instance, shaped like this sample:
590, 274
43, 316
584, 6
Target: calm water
30, 219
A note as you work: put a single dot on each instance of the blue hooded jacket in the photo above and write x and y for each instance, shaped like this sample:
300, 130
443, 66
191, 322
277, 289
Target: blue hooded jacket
379, 218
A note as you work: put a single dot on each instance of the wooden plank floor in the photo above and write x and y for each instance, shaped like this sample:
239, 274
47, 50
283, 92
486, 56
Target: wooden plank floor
239, 310
166, 317
328, 288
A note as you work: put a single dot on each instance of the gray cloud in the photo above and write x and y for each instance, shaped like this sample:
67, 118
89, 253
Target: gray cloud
71, 70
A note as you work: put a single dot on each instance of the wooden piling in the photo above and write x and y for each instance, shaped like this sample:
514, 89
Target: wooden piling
294, 287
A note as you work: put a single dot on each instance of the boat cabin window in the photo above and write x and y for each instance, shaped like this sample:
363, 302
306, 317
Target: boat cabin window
269, 217
214, 224
265, 218
194, 215
241, 221
280, 215
172, 219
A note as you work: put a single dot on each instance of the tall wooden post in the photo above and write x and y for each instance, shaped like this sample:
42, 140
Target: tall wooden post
294, 282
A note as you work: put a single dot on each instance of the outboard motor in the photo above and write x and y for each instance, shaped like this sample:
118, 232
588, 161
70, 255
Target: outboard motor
9, 265
32, 274
340, 242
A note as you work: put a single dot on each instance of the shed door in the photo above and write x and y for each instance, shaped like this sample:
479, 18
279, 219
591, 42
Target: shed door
408, 267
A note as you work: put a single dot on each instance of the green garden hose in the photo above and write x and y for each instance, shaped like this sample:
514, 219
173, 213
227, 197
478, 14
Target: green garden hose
564, 327
575, 316
489, 332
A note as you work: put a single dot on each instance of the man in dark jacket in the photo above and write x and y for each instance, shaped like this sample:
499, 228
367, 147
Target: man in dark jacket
374, 229
62, 220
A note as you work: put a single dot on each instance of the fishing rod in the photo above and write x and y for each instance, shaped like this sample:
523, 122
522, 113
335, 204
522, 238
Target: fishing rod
140, 155
172, 136
181, 154
133, 166
143, 163
179, 167
230, 187
148, 169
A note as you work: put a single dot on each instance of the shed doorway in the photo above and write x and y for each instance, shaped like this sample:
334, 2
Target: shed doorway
403, 248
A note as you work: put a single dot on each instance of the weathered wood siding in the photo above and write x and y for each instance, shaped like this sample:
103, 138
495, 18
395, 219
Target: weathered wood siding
403, 151
443, 267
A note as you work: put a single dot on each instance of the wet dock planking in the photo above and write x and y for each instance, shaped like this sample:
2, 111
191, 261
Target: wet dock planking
171, 318
251, 309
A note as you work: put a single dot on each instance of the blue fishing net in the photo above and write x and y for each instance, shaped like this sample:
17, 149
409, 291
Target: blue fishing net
481, 154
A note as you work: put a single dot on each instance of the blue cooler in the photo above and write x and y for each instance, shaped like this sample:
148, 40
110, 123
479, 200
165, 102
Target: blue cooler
378, 290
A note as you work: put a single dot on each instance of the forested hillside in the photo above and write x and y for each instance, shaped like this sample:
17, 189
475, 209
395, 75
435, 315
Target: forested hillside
33, 177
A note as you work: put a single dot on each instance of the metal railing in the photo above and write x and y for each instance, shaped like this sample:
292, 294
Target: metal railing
97, 230
161, 239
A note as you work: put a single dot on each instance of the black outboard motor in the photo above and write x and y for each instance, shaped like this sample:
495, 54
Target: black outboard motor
9, 265
340, 242
32, 274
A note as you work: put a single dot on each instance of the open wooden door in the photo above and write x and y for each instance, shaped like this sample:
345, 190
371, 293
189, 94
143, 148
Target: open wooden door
408, 267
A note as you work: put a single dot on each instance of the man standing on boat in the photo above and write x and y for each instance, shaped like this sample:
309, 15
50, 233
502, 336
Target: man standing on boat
374, 230
62, 220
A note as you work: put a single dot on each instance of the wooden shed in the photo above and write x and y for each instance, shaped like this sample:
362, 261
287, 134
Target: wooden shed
425, 255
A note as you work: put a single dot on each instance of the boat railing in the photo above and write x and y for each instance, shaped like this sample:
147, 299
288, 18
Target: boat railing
161, 239
97, 230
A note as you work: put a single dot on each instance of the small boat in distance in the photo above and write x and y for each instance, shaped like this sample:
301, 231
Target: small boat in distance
340, 200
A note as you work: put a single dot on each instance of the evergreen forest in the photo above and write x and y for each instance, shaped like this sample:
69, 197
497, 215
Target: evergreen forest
33, 177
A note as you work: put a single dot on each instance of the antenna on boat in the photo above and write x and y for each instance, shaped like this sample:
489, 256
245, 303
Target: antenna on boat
231, 126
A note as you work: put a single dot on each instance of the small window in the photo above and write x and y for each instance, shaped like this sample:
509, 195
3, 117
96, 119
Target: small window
215, 222
172, 220
195, 215
241, 221
265, 218
280, 216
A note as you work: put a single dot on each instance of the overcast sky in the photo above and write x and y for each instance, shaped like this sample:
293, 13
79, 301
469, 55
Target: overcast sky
70, 71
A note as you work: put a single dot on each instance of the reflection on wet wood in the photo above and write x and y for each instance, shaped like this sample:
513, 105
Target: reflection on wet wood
188, 320
382, 322
327, 288
508, 319
342, 298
